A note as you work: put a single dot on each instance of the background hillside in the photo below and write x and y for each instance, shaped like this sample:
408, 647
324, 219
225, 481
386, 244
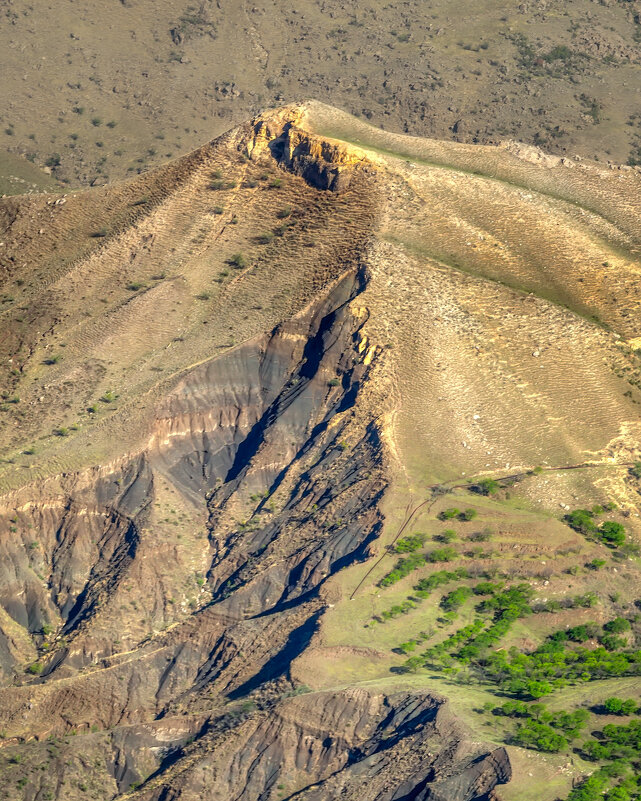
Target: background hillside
98, 91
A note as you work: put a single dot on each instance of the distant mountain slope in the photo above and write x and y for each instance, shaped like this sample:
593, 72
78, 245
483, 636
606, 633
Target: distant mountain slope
99, 91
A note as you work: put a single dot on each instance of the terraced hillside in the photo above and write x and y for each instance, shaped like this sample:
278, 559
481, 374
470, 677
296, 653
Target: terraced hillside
321, 473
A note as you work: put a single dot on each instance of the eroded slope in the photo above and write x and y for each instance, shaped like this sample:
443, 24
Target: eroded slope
228, 382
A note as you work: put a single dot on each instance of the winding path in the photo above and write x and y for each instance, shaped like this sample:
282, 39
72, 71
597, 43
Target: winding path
447, 487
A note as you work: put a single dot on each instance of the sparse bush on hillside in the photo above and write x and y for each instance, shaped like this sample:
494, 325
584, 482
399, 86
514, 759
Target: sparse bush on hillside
237, 260
403, 568
409, 544
218, 184
620, 706
486, 486
609, 532
449, 514
442, 555
455, 599
447, 536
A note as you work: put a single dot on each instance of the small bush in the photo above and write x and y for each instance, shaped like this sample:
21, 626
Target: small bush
449, 514
486, 486
409, 544
619, 706
446, 536
237, 260
612, 533
442, 555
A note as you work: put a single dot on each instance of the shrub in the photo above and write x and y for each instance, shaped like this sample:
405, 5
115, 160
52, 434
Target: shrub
442, 555
446, 536
617, 626
237, 260
612, 533
540, 736
403, 568
467, 515
448, 514
581, 520
409, 544
455, 599
35, 668
619, 706
486, 486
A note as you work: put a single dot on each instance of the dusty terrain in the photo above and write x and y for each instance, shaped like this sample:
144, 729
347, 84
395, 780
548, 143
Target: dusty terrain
98, 91
230, 384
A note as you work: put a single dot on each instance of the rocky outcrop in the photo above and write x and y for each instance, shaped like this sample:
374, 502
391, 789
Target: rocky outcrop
323, 163
349, 744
